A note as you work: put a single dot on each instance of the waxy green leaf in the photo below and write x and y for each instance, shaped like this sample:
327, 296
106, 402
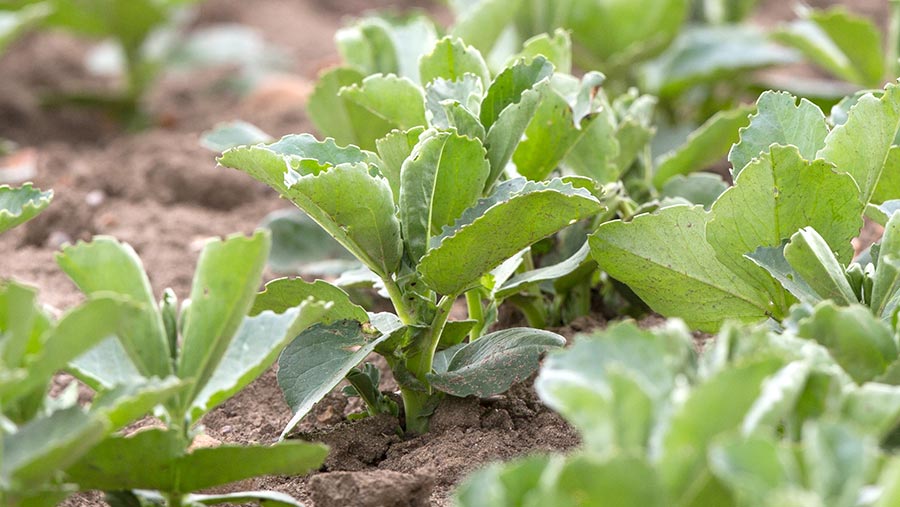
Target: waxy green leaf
666, 259
815, 263
341, 118
517, 215
443, 176
780, 120
396, 100
225, 136
481, 23
356, 208
494, 362
224, 287
394, 148
21, 204
451, 59
863, 145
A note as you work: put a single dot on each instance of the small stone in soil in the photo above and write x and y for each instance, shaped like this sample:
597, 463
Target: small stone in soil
378, 488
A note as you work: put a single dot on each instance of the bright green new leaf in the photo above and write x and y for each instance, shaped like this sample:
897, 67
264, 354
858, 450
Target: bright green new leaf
285, 293
441, 94
317, 360
814, 261
356, 208
393, 149
557, 48
387, 44
21, 204
156, 459
517, 215
494, 362
666, 259
697, 188
863, 145
443, 176
861, 343
225, 283
396, 100
774, 196
704, 146
341, 118
780, 120
847, 45
255, 347
451, 59
106, 265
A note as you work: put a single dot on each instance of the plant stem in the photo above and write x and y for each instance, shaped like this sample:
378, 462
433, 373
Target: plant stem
434, 333
415, 405
174, 499
396, 296
476, 313
534, 312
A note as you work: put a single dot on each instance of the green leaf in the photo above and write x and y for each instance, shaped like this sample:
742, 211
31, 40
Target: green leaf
227, 135
890, 481
772, 260
697, 188
732, 391
396, 100
444, 175
508, 107
504, 485
881, 213
319, 359
451, 59
613, 384
228, 273
255, 347
620, 481
21, 323
518, 214
753, 467
356, 208
441, 95
339, 117
704, 146
862, 146
387, 44
481, 23
157, 460
815, 263
494, 362
523, 281
19, 205
666, 260
846, 45
708, 54
780, 120
556, 48
874, 408
394, 149
772, 198
285, 293
105, 265
862, 344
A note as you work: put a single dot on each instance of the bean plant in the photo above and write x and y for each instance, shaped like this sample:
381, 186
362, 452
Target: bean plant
20, 204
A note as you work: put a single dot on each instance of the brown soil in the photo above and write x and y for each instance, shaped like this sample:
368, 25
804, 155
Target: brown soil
163, 194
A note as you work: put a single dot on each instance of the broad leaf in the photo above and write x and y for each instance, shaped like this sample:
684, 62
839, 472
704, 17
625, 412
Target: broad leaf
444, 175
394, 149
106, 265
838, 461
387, 44
773, 197
697, 188
341, 118
317, 360
523, 281
621, 481
518, 214
813, 260
356, 208
704, 146
157, 460
666, 259
862, 146
285, 293
862, 344
481, 23
19, 205
754, 467
225, 136
494, 362
301, 246
451, 59
228, 273
780, 120
398, 101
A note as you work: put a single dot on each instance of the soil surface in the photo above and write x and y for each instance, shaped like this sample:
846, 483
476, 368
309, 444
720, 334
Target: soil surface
159, 191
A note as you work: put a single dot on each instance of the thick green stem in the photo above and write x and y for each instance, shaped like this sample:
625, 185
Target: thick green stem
533, 310
476, 313
396, 296
893, 49
417, 406
174, 499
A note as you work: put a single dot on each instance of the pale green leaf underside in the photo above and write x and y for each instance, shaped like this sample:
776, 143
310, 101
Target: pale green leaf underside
21, 204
